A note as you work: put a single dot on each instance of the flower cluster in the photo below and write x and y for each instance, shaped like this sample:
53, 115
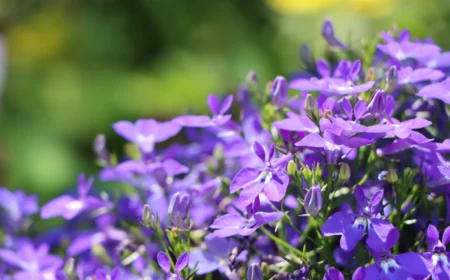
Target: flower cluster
336, 172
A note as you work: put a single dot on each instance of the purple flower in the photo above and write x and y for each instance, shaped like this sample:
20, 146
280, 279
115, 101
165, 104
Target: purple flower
69, 207
298, 123
403, 266
232, 224
333, 274
353, 227
333, 145
218, 110
272, 179
164, 263
439, 91
404, 49
146, 133
16, 207
32, 262
215, 257
279, 91
342, 82
328, 34
100, 274
438, 257
409, 76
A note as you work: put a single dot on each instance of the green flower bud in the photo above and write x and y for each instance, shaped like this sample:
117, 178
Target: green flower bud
292, 168
311, 108
344, 173
391, 176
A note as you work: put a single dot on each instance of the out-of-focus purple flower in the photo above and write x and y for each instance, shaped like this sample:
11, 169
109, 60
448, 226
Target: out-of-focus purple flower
100, 274
341, 83
272, 179
254, 272
329, 36
16, 205
298, 123
178, 209
146, 133
405, 49
333, 274
105, 234
164, 262
313, 201
279, 91
437, 255
215, 257
218, 110
403, 266
409, 75
32, 262
352, 227
235, 224
439, 91
69, 207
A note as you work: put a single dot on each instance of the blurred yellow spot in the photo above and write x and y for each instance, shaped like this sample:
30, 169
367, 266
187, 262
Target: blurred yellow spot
40, 38
300, 6
372, 7
366, 7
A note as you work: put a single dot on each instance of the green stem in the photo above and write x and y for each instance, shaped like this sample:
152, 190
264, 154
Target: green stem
282, 242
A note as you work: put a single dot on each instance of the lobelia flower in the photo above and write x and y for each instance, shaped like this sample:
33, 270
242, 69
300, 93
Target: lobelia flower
439, 91
333, 274
32, 262
341, 83
215, 257
100, 274
254, 272
404, 49
272, 179
329, 36
218, 110
408, 266
16, 207
353, 227
235, 224
164, 262
69, 207
333, 145
438, 257
178, 209
145, 133
409, 75
279, 91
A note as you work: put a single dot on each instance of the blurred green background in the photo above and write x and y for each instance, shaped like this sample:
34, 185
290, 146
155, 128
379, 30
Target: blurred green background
75, 67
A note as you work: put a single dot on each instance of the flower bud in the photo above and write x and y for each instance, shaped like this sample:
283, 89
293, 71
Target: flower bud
311, 108
251, 80
292, 168
254, 272
313, 201
344, 173
69, 266
370, 75
148, 219
279, 91
100, 149
391, 78
305, 56
391, 176
178, 209
378, 103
